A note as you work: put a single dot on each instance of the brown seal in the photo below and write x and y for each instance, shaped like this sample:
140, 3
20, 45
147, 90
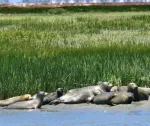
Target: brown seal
114, 98
14, 99
140, 93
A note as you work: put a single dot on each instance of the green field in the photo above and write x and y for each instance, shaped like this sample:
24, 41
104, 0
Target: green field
43, 49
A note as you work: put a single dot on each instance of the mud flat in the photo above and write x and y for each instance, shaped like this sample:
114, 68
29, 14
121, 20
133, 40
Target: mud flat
142, 105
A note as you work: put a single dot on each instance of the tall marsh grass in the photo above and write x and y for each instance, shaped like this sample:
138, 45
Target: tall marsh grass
44, 52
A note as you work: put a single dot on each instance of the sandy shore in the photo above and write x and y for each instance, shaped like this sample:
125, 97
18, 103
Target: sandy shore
142, 105
67, 107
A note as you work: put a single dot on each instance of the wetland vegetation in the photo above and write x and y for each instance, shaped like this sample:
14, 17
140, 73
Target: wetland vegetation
44, 49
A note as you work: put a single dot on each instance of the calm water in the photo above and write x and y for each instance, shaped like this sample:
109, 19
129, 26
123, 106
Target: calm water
78, 115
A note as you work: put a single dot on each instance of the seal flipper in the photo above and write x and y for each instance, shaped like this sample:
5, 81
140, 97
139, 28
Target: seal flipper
55, 102
111, 97
90, 99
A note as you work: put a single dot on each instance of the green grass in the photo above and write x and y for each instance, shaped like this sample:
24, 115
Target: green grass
74, 49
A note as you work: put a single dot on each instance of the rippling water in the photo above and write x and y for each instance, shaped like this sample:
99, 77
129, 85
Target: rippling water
78, 115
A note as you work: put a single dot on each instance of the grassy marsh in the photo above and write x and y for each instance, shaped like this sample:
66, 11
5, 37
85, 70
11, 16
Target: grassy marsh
73, 49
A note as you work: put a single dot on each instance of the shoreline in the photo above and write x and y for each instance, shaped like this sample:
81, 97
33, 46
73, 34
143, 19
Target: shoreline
142, 105
134, 106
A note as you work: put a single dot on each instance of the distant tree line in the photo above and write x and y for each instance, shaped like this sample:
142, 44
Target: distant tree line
68, 1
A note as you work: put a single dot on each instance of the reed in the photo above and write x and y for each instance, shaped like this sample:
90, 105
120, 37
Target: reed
44, 52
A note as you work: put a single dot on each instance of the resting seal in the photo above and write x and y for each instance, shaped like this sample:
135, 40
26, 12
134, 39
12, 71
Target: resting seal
139, 92
101, 86
83, 95
146, 89
114, 98
52, 96
35, 102
119, 89
125, 89
14, 99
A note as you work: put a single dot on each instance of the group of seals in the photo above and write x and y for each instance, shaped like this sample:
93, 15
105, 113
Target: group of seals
28, 102
122, 95
101, 93
139, 93
114, 98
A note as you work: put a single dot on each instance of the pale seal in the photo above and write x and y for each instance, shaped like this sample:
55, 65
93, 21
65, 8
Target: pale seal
119, 89
146, 89
83, 95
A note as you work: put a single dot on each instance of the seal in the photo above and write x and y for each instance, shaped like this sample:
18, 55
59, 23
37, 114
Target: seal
125, 89
52, 96
83, 95
146, 89
34, 103
114, 89
119, 89
100, 86
114, 98
9, 101
139, 93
